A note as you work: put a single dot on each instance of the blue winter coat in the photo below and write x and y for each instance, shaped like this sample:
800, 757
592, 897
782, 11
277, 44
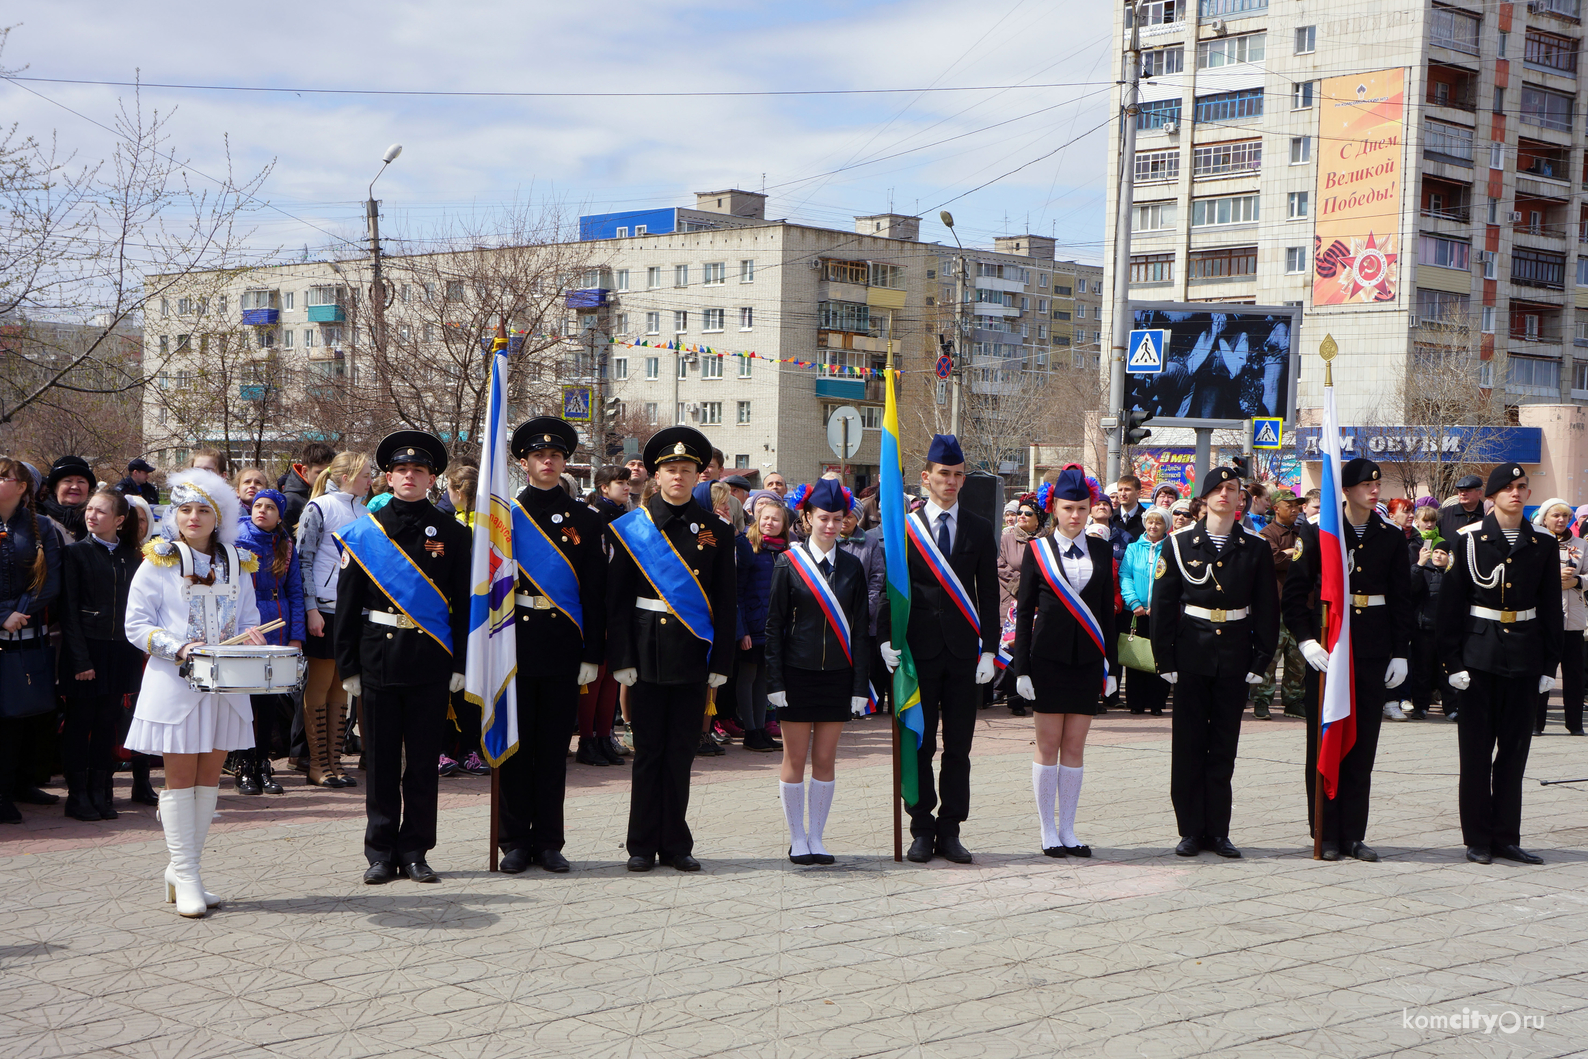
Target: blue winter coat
755, 589
1136, 573
278, 597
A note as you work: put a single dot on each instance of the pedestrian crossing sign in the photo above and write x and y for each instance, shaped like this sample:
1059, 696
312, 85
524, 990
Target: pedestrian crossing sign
1146, 352
1267, 432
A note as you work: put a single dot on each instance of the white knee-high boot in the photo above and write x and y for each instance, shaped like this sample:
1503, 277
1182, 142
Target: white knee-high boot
794, 812
1045, 784
1069, 795
181, 878
821, 802
204, 799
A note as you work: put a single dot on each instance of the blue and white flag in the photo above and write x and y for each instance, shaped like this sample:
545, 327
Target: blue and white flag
492, 661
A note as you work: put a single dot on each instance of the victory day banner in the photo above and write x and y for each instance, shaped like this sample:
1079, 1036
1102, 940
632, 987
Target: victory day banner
1356, 213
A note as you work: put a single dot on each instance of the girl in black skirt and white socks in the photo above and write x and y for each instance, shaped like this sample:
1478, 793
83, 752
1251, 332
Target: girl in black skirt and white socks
816, 653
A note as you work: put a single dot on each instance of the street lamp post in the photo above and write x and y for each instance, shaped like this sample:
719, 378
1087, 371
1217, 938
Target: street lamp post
960, 282
377, 290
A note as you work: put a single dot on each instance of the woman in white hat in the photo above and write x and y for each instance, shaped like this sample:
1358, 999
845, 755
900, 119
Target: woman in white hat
1554, 516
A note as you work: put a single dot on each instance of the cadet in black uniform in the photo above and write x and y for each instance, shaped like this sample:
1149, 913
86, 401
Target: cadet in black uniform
404, 672
1215, 625
651, 649
555, 658
1381, 631
1499, 635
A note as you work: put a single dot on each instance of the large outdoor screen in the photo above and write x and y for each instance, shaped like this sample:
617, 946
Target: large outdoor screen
1222, 362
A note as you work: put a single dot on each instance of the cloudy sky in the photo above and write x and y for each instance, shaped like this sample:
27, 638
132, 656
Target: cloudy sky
820, 158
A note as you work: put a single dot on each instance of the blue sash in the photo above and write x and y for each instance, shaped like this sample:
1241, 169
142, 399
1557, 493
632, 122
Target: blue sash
390, 568
666, 570
544, 566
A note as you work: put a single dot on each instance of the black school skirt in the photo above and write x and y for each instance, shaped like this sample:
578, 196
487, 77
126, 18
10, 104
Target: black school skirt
816, 695
1064, 688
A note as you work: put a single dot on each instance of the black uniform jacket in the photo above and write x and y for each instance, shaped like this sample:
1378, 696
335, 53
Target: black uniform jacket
1379, 567
936, 623
1241, 575
1529, 577
95, 582
658, 644
384, 656
1044, 626
798, 633
548, 640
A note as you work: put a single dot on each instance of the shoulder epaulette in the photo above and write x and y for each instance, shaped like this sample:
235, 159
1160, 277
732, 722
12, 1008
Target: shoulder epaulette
1471, 527
249, 561
160, 553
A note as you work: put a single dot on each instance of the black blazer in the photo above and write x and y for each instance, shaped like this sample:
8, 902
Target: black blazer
1531, 578
798, 633
1044, 626
1241, 575
1379, 568
550, 637
94, 584
936, 624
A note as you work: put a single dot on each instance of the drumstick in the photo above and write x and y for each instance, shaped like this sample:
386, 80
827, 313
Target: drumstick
269, 626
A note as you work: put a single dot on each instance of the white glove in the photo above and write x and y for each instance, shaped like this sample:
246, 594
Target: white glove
1024, 689
1111, 686
1315, 655
588, 671
626, 677
1546, 684
354, 686
1254, 678
986, 669
777, 698
455, 685
890, 657
857, 705
1396, 673
1461, 681
1170, 678
716, 680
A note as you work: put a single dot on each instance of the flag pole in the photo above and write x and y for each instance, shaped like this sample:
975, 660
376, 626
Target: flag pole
496, 819
893, 705
1327, 350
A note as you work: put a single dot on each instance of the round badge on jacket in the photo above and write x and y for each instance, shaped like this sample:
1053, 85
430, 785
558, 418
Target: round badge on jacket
430, 531
1161, 568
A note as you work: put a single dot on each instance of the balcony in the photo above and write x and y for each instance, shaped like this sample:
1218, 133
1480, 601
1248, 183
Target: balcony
326, 314
1538, 268
1564, 10
256, 391
1455, 30
1541, 170
261, 317
1452, 86
842, 389
587, 298
1540, 219
1446, 200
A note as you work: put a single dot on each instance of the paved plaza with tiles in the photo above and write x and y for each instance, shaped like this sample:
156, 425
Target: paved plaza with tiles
1133, 952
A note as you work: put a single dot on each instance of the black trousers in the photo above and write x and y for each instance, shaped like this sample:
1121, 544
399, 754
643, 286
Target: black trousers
1204, 735
1571, 678
1345, 815
400, 801
1495, 732
91, 731
1426, 673
665, 719
948, 695
533, 780
269, 711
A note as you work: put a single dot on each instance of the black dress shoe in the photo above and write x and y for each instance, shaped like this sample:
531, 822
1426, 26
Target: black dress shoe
8, 812
949, 847
684, 862
641, 863
515, 861
1538, 729
380, 872
1188, 847
1479, 856
419, 871
552, 860
1516, 853
920, 850
1017, 710
1055, 851
823, 858
1329, 851
34, 796
1575, 731
1363, 851
1222, 846
1078, 851
803, 858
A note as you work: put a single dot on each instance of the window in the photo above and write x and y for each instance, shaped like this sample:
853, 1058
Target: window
623, 323
620, 367
1158, 12
620, 279
715, 273
286, 338
653, 368
1162, 61
165, 304
1306, 40
1487, 326
455, 290
680, 275
1151, 268
1496, 156
870, 417
1491, 265
848, 272
744, 367
266, 338
1060, 314
1158, 113
711, 367
890, 276
1504, 40
1296, 205
1063, 292
1042, 277
1234, 209
746, 270
1232, 106
1301, 96
1295, 259
711, 320
680, 322
711, 413
1042, 332
679, 408
746, 318
1300, 150
1455, 30
639, 229
1152, 216
1211, 8
286, 300
1240, 158
843, 316
223, 303
1222, 264
1445, 253
653, 277
650, 412
309, 343
1533, 375
683, 367
1550, 51
743, 415
1451, 141
1537, 268
1435, 307
621, 233
1227, 51
1549, 110
253, 299
1582, 271
653, 323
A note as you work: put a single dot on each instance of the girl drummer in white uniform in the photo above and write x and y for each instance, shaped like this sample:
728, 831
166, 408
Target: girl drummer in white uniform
194, 589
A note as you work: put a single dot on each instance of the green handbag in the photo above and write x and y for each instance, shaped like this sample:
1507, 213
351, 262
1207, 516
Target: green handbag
1135, 652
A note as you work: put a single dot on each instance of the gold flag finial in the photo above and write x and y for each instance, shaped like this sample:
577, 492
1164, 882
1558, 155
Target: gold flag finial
1328, 350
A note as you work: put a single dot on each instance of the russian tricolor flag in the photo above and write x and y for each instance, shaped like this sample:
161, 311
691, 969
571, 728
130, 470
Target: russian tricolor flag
1338, 708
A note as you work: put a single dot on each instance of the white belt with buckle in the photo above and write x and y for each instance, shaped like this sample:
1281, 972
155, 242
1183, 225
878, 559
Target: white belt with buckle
1504, 617
27, 632
534, 602
1217, 615
396, 621
1359, 600
646, 603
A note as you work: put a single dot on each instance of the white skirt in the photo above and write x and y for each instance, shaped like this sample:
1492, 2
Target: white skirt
214, 724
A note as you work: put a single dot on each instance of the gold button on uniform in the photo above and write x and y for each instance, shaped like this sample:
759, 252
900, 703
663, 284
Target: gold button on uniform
389, 636
664, 621
1219, 563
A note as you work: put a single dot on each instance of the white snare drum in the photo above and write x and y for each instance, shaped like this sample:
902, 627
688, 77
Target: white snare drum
244, 669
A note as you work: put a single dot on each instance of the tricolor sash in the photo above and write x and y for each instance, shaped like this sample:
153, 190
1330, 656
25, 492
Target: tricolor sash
666, 570
544, 566
806, 568
1047, 557
937, 562
399, 577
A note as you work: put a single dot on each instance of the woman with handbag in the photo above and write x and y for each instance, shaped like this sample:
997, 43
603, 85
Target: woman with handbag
1145, 690
30, 579
1065, 654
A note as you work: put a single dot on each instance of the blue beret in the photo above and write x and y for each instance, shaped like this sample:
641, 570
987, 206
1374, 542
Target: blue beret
945, 450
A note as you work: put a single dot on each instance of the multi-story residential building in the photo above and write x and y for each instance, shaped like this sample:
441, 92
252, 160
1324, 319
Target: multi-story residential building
1410, 172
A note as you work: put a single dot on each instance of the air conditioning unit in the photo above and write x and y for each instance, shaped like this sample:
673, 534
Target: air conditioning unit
1171, 127
692, 410
1515, 216
1219, 28
1485, 256
815, 263
1415, 322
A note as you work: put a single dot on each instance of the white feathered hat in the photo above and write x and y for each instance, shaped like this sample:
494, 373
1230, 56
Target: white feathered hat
199, 486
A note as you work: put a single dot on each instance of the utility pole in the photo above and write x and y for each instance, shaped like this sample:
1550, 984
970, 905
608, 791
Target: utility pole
377, 290
961, 327
1122, 218
598, 411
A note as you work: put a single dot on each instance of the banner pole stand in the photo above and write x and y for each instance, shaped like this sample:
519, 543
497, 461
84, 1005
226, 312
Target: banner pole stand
898, 794
496, 791
1317, 773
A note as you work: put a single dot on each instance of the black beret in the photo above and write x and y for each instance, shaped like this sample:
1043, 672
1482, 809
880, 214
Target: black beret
1357, 471
677, 443
544, 432
411, 446
1217, 476
1502, 476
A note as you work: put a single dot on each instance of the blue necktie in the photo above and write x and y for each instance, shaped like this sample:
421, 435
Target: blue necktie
826, 567
943, 542
1074, 552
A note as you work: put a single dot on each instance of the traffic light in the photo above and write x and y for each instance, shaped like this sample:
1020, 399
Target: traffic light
1135, 431
1243, 467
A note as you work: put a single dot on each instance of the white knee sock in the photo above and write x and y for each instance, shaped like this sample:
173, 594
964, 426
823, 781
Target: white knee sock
821, 800
1069, 795
1045, 783
794, 812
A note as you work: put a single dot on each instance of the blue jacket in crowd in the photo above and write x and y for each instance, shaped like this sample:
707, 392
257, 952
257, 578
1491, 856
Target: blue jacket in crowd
278, 597
755, 589
1136, 573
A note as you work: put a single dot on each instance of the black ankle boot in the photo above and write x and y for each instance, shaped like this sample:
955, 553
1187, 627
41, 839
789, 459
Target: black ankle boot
99, 788
247, 781
266, 775
142, 790
604, 747
587, 755
78, 805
